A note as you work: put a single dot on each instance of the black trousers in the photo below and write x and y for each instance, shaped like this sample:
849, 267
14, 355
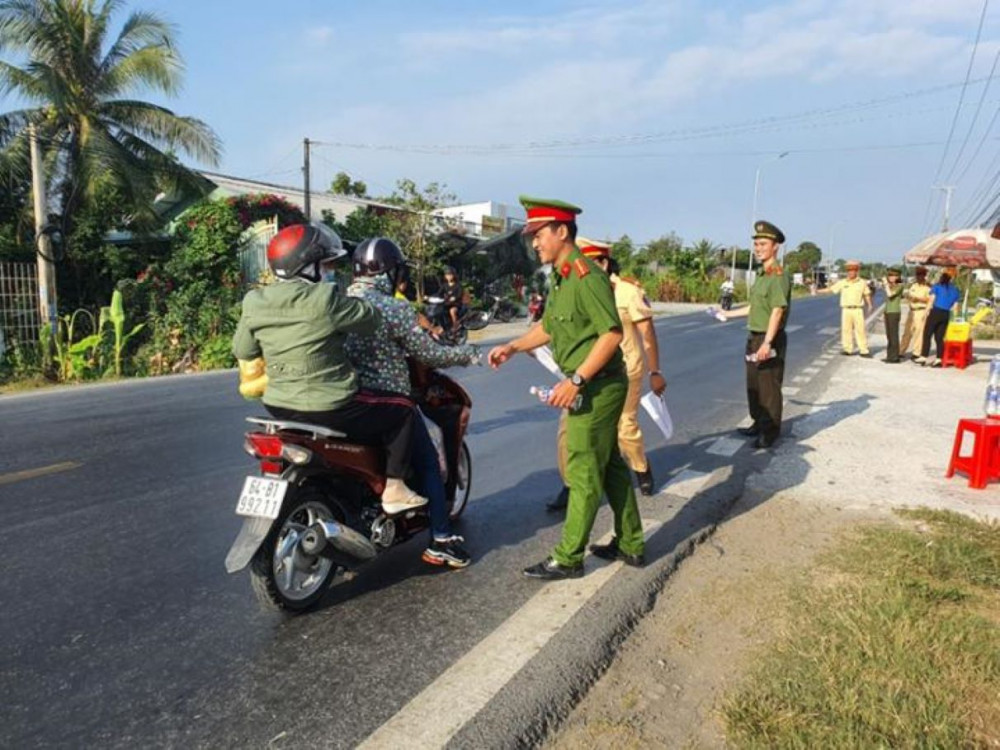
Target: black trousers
892, 334
370, 418
936, 326
764, 381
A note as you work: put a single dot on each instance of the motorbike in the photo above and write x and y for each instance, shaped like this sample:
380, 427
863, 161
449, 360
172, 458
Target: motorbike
536, 308
313, 513
496, 308
726, 297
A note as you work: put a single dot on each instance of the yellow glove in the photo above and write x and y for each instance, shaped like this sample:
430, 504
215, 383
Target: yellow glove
253, 377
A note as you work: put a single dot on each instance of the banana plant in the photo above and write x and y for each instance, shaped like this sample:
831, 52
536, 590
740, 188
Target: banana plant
115, 314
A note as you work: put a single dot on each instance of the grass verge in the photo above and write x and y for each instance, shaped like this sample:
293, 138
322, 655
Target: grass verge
893, 641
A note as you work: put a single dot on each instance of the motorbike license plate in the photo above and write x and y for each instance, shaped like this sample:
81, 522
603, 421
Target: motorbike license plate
261, 497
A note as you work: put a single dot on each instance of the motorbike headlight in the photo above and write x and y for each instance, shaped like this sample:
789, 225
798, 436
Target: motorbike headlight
296, 454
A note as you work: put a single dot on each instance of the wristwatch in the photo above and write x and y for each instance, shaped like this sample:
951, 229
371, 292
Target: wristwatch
578, 380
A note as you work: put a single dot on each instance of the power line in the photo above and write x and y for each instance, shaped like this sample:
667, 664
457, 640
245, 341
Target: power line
958, 110
975, 118
758, 124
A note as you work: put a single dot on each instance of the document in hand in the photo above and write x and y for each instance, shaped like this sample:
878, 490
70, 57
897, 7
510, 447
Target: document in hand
544, 356
657, 408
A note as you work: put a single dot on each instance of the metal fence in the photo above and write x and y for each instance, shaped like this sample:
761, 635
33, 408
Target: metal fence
253, 249
19, 318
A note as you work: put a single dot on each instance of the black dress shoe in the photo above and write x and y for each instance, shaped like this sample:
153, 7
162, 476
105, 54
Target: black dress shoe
610, 551
751, 431
866, 355
763, 442
560, 502
645, 482
550, 570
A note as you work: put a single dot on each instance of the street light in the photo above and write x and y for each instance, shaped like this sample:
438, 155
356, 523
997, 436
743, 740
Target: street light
756, 191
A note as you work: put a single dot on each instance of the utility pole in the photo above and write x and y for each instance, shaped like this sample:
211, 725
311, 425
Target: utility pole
307, 205
43, 248
948, 190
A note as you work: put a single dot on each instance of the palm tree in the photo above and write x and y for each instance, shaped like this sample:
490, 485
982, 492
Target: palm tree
76, 89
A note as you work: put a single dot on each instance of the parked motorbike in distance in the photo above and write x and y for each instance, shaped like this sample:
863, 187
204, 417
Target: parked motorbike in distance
495, 308
536, 307
314, 510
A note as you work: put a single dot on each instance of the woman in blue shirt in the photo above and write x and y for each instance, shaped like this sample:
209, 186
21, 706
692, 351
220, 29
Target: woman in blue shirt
944, 296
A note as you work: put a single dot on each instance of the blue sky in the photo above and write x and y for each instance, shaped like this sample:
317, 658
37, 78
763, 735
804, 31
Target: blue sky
709, 91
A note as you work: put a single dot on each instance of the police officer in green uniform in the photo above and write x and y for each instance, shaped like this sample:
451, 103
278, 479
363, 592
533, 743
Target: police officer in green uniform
770, 299
582, 324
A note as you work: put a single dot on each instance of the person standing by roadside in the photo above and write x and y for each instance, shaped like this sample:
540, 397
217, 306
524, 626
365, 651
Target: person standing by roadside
944, 296
918, 296
893, 305
639, 347
854, 296
583, 326
767, 343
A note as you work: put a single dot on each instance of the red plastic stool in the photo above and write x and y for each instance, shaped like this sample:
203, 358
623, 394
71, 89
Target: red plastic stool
957, 353
983, 464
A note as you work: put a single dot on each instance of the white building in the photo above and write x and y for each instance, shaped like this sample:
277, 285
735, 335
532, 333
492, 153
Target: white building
484, 219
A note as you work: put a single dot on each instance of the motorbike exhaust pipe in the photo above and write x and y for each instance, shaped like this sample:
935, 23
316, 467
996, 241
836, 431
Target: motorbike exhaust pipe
327, 538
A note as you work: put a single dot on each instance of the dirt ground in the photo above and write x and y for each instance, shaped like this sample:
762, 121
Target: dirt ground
666, 685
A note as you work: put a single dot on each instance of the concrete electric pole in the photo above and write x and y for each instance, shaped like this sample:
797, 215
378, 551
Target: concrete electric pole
948, 190
43, 247
307, 202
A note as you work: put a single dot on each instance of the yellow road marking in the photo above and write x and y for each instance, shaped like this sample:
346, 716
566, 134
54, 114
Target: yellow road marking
19, 476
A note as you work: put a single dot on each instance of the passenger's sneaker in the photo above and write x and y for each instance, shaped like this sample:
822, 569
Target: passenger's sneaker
398, 498
448, 552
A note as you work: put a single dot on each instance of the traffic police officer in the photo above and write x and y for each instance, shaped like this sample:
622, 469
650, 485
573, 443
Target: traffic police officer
584, 329
854, 294
918, 297
767, 313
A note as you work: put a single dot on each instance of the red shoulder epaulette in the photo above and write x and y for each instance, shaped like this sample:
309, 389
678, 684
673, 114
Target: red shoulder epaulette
631, 280
775, 270
581, 267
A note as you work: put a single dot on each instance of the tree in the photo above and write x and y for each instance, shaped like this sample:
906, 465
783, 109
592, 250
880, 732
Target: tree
804, 258
80, 95
663, 250
623, 250
343, 185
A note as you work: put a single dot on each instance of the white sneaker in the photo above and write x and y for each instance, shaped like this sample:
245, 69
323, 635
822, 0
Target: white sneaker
398, 498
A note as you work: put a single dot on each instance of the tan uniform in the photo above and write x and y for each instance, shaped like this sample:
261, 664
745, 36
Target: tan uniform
852, 317
913, 330
633, 307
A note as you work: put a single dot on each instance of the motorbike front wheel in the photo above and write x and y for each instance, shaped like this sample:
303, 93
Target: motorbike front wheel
283, 577
463, 484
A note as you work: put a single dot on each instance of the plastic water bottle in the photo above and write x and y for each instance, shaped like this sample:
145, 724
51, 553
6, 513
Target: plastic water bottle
995, 371
544, 394
753, 356
992, 403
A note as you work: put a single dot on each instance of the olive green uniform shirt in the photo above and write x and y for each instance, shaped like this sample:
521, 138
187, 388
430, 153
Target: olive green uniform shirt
770, 290
300, 329
894, 299
579, 309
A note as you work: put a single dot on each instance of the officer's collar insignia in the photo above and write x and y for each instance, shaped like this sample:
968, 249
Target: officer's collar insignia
774, 270
582, 269
564, 270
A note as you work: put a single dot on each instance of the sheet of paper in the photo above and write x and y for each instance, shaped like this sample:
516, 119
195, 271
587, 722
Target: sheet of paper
656, 407
544, 356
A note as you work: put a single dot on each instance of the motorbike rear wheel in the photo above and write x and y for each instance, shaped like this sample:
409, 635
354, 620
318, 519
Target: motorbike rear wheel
463, 486
283, 577
476, 320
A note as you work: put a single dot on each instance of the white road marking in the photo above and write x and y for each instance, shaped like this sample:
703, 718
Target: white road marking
687, 324
20, 476
828, 331
790, 391
686, 484
819, 362
810, 371
793, 329
801, 379
726, 446
438, 712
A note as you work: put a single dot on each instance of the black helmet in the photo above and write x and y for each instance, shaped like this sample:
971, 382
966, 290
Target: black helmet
296, 248
378, 255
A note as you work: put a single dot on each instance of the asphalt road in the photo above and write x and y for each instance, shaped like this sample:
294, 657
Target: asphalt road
120, 627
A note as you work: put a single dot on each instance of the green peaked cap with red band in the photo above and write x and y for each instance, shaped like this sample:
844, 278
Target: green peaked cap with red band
543, 210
